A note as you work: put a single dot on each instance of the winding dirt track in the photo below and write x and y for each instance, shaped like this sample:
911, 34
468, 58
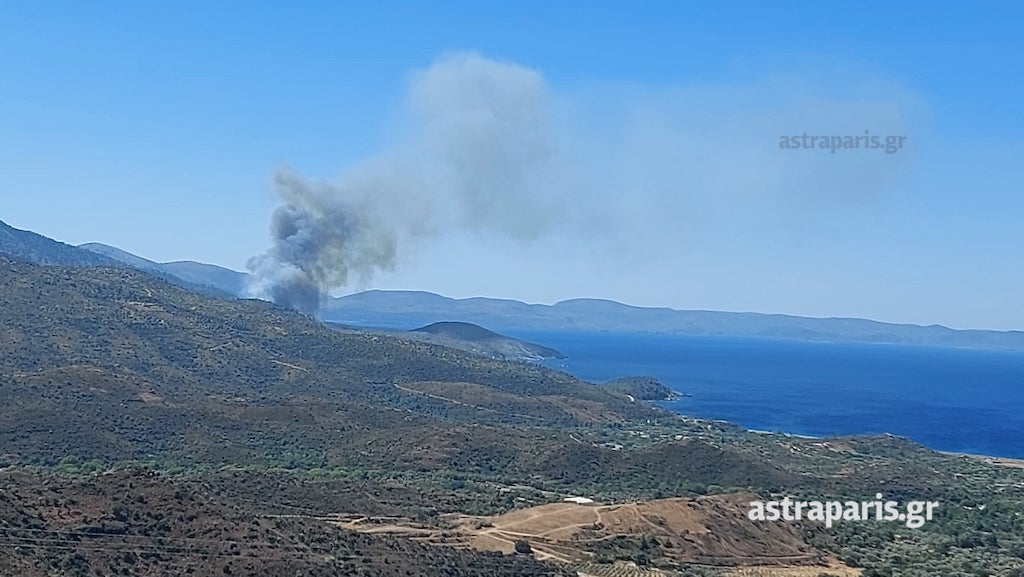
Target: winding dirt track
566, 532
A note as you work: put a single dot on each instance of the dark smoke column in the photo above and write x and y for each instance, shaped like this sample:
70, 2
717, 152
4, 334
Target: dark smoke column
320, 238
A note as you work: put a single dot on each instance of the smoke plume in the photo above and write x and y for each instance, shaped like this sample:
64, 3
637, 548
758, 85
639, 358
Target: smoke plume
660, 180
476, 155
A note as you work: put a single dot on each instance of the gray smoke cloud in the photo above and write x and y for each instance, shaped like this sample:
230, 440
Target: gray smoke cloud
323, 236
619, 181
477, 154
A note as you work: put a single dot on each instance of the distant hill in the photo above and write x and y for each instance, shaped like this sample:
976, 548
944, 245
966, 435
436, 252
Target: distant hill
121, 256
27, 246
225, 279
476, 338
407, 309
196, 273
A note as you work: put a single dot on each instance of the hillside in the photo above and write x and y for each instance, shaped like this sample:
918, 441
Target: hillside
111, 365
195, 273
138, 523
102, 366
664, 531
641, 388
115, 365
143, 426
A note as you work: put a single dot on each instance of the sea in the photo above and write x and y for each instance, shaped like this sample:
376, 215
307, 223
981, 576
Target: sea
957, 400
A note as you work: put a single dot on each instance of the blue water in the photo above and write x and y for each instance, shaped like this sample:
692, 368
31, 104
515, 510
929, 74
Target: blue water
949, 399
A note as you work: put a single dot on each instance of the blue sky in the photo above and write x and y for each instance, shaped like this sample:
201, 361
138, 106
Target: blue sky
158, 127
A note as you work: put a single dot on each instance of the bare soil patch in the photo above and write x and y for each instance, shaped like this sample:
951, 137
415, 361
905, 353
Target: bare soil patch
710, 530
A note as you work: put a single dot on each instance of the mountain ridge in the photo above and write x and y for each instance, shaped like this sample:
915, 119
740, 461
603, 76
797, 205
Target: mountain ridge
31, 247
196, 273
395, 309
406, 309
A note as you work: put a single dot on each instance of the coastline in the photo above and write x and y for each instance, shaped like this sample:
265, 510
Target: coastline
783, 433
848, 391
990, 459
